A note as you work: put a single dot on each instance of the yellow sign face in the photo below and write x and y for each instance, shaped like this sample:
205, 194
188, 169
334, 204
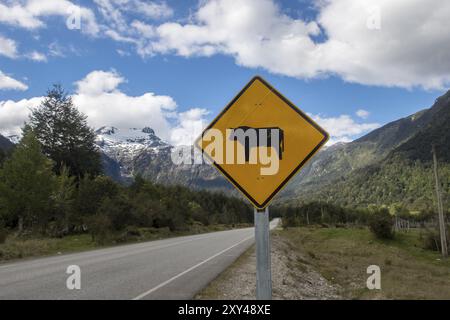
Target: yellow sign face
260, 141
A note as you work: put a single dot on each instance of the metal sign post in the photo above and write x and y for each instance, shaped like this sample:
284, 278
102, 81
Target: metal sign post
263, 267
291, 136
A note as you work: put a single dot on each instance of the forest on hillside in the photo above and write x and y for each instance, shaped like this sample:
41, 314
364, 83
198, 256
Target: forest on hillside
397, 182
391, 166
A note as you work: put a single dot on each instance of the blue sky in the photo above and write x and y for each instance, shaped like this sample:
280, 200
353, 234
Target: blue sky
198, 55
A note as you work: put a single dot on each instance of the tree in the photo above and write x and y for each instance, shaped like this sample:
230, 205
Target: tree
26, 182
62, 202
89, 196
64, 134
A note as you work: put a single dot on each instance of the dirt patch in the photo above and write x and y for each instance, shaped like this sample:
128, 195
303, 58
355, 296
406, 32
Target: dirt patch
292, 277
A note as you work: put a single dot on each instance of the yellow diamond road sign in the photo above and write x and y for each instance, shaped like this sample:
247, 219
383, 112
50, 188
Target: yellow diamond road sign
260, 141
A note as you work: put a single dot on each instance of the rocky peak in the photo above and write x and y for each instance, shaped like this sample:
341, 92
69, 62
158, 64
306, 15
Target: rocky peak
106, 130
148, 130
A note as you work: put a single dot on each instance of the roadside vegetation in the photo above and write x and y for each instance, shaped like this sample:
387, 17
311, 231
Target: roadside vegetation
342, 255
55, 198
384, 222
340, 243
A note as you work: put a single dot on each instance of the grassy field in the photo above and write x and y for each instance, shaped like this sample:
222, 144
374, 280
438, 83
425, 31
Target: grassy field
34, 246
342, 256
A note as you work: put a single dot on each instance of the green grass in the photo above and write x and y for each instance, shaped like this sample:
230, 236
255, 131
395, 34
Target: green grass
17, 248
342, 256
35, 246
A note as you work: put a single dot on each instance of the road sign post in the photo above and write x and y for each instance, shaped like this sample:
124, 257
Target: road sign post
263, 265
259, 142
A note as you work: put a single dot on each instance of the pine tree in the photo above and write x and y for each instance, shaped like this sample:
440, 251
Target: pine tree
26, 183
64, 134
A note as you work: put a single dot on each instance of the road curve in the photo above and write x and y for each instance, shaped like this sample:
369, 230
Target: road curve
175, 268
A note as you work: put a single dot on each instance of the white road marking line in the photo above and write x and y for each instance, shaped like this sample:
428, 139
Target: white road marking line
142, 295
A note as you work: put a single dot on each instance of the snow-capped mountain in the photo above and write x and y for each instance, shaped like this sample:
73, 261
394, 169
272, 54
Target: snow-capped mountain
118, 143
131, 151
124, 146
15, 139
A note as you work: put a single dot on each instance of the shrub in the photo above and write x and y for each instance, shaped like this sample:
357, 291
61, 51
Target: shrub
130, 234
432, 240
288, 221
99, 226
133, 231
381, 224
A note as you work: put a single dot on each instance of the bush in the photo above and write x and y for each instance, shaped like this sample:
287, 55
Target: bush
130, 234
381, 224
432, 240
99, 227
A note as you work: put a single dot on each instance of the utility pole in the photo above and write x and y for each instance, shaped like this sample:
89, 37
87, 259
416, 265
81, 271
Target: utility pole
442, 226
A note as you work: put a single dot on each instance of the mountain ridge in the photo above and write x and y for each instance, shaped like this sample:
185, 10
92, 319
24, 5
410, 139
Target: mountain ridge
5, 144
402, 171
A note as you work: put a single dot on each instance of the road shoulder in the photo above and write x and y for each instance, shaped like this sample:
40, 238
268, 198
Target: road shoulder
292, 277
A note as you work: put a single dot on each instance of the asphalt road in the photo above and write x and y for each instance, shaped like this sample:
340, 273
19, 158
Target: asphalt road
175, 268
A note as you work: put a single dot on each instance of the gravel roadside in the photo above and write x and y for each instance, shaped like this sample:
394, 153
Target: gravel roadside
292, 277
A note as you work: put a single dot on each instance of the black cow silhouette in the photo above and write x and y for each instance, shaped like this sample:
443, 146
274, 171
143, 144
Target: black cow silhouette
267, 143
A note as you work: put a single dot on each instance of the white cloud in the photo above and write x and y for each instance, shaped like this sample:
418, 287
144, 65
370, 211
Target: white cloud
153, 10
410, 48
190, 125
55, 49
13, 114
98, 82
112, 14
114, 11
118, 37
8, 83
29, 14
18, 15
363, 114
143, 29
123, 53
99, 97
116, 14
343, 128
256, 35
121, 25
37, 56
8, 47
